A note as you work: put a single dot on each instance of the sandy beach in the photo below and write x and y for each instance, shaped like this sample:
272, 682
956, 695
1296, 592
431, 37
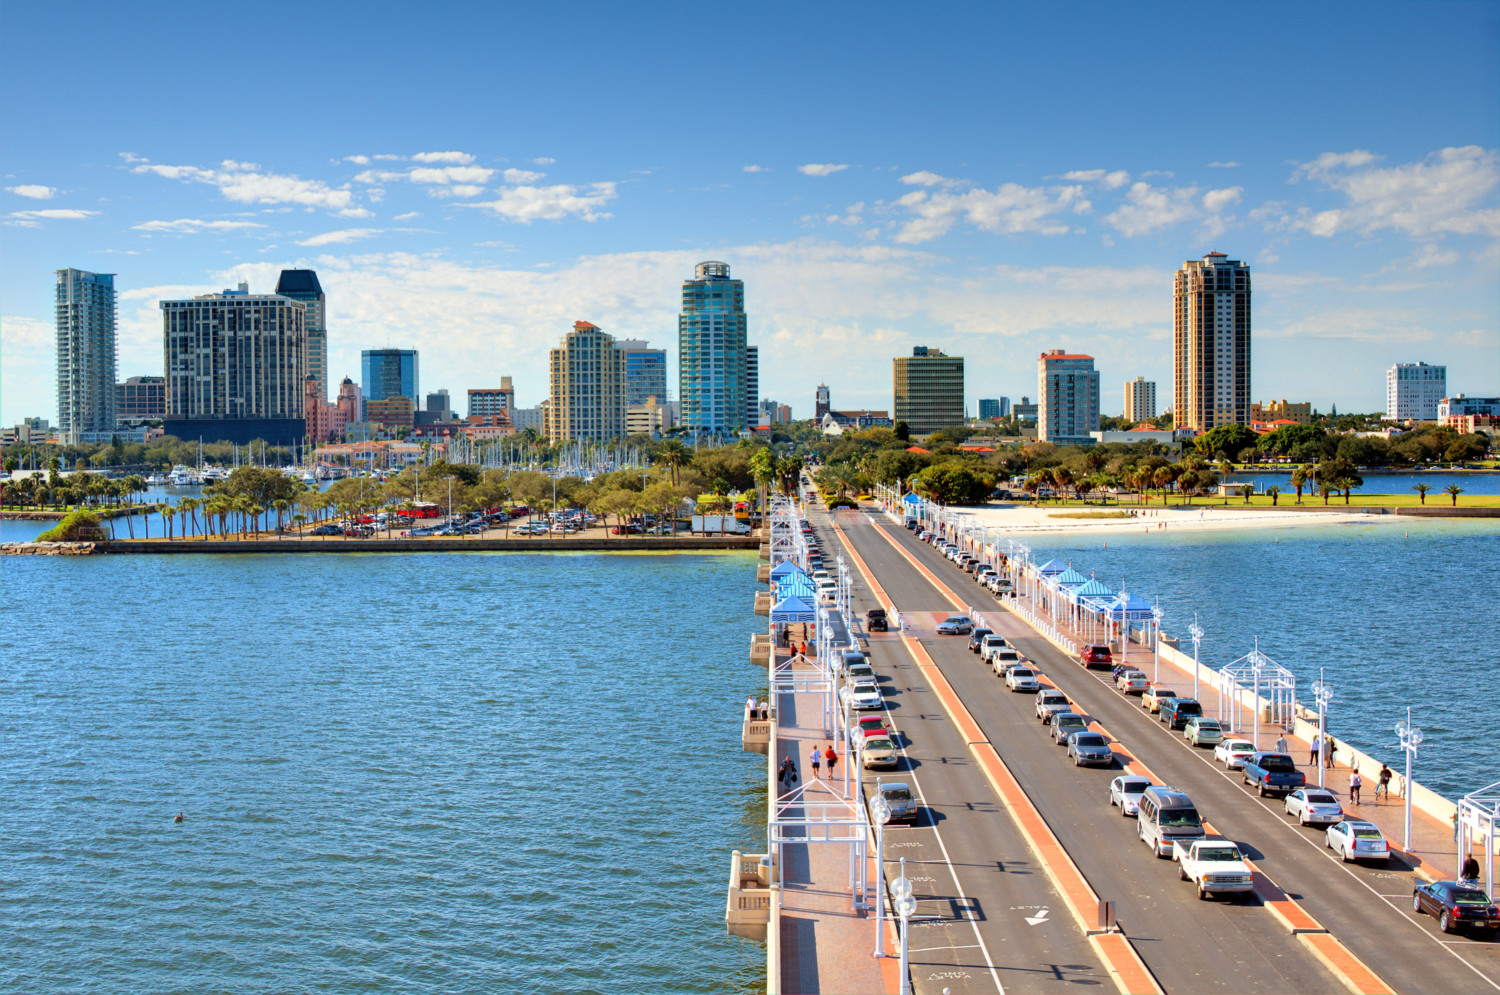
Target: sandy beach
1032, 519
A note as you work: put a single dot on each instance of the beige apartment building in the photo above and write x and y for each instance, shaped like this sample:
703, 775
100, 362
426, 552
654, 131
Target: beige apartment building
1211, 343
587, 375
1283, 410
929, 390
1140, 399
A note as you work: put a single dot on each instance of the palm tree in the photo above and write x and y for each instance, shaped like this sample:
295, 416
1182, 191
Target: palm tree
1187, 484
1453, 491
1162, 477
1325, 487
1274, 492
1063, 478
1422, 490
1299, 479
675, 454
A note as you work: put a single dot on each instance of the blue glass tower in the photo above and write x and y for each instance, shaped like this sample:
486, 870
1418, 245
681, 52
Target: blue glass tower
712, 376
388, 373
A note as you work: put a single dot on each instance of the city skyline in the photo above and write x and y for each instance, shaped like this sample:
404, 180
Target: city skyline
911, 208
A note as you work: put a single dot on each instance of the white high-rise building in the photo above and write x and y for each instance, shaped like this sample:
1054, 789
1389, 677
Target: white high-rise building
1140, 399
588, 387
713, 379
86, 335
1068, 406
1413, 390
1211, 343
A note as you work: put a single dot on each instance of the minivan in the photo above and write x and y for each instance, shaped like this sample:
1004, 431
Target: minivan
1166, 815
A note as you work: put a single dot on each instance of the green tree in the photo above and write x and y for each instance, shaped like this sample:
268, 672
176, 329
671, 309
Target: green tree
903, 431
1230, 440
77, 526
1422, 490
1342, 475
953, 483
675, 454
1299, 479
1453, 491
1274, 493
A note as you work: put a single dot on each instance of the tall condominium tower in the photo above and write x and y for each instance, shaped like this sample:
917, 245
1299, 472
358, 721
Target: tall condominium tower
302, 285
387, 373
1211, 343
752, 386
588, 386
929, 390
85, 314
1068, 401
236, 366
645, 372
712, 378
1140, 399
1413, 390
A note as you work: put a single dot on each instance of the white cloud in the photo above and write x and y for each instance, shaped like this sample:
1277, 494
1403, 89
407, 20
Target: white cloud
821, 168
1438, 195
543, 160
450, 174
358, 160
1148, 208
927, 178
387, 157
753, 168
527, 203
461, 158
245, 184
340, 237
1223, 165
187, 226
1009, 209
33, 191
521, 176
408, 215
1108, 179
457, 190
355, 212
378, 176
1215, 201
33, 219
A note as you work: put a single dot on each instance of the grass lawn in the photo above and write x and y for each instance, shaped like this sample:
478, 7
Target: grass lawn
1093, 514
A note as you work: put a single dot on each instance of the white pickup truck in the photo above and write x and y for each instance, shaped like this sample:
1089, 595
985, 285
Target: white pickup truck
1214, 865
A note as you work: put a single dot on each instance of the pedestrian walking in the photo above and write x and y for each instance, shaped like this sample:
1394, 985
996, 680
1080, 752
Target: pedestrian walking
1355, 783
1281, 744
1314, 750
1383, 785
831, 757
1328, 752
814, 759
787, 775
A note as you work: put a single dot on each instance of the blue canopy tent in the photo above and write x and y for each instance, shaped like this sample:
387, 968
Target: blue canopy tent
1059, 584
1091, 597
792, 610
784, 568
797, 586
1051, 567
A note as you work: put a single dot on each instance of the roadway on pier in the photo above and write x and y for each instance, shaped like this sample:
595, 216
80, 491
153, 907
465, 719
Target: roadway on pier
1190, 946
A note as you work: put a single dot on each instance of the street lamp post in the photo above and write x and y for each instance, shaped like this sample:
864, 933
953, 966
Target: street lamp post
1196, 631
1323, 694
1411, 738
906, 906
881, 810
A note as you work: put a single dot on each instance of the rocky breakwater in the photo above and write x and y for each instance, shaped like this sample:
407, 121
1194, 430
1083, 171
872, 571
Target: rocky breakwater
49, 548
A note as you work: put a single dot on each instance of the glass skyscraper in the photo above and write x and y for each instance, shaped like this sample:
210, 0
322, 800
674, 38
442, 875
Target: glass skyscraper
387, 373
713, 380
86, 334
645, 372
302, 285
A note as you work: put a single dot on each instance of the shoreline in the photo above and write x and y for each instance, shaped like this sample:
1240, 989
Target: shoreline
1034, 521
164, 547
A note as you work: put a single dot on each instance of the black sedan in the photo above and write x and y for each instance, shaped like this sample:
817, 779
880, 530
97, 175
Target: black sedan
1457, 906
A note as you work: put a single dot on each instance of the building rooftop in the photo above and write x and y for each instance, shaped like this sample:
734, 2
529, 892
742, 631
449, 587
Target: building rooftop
299, 281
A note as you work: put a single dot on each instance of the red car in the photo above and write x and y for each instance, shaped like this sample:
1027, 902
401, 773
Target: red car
1095, 655
873, 725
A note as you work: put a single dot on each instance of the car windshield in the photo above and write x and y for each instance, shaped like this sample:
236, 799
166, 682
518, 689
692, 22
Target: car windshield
879, 743
1470, 896
1064, 721
1234, 746
1368, 834
1054, 698
1134, 787
1321, 798
1088, 739
896, 794
1022, 672
1202, 724
1163, 693
1277, 762
1181, 818
1219, 853
955, 620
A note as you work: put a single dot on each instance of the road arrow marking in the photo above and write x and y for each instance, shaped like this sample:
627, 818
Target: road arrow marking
1037, 919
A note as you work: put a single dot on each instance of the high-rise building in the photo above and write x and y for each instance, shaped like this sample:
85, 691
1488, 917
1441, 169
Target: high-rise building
645, 372
302, 285
1024, 410
1413, 390
1004, 407
488, 402
989, 407
929, 390
588, 386
391, 413
236, 366
1068, 398
1211, 343
772, 413
752, 386
712, 339
388, 373
1140, 399
822, 405
85, 315
141, 399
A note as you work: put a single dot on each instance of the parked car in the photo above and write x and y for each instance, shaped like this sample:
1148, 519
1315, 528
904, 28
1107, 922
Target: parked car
1214, 865
1000, 585
1154, 697
1203, 731
1232, 753
1090, 748
1050, 702
859, 672
1004, 659
875, 621
976, 638
955, 625
1177, 712
1456, 906
1314, 805
992, 644
1065, 724
1126, 790
863, 696
1022, 679
899, 797
1355, 839
1095, 655
1132, 682
874, 725
880, 751
1272, 773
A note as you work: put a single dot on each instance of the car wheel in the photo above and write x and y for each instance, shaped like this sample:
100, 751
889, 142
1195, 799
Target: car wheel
1202, 895
1445, 923
1262, 789
1416, 903
1345, 855
1181, 873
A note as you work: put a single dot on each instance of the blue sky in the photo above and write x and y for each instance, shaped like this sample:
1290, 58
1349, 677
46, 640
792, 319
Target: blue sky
469, 179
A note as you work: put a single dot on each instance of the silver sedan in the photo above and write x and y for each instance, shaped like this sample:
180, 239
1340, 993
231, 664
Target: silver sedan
1126, 792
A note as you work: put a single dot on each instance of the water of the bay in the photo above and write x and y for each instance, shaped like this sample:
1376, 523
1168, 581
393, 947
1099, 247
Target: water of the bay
438, 773
1394, 612
1388, 483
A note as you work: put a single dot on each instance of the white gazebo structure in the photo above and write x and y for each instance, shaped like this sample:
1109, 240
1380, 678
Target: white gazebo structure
1249, 680
1479, 822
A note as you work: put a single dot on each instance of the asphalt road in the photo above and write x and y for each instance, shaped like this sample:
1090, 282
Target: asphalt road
1190, 946
988, 918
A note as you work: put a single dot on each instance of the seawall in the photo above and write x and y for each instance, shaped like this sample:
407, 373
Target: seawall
426, 545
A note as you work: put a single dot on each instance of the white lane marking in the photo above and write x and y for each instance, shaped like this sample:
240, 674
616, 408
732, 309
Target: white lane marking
1405, 913
952, 872
928, 950
1039, 918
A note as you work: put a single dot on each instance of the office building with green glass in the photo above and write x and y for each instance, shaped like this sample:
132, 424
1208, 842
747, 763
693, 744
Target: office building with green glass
713, 375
